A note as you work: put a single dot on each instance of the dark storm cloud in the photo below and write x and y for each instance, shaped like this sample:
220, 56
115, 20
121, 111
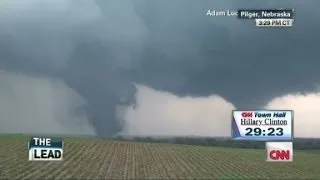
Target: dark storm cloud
229, 57
100, 47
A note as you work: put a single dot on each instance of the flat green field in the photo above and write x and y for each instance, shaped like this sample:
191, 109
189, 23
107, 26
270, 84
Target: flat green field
103, 159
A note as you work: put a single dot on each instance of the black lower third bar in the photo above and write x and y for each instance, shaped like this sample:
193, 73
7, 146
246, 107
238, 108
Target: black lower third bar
266, 14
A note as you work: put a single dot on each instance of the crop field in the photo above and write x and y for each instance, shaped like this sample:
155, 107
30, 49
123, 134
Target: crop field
103, 159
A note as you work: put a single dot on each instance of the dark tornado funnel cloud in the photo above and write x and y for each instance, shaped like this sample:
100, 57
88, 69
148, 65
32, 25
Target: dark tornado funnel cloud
85, 45
103, 87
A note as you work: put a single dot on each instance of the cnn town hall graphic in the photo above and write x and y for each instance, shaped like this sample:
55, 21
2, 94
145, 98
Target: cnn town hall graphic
263, 125
266, 125
45, 149
279, 151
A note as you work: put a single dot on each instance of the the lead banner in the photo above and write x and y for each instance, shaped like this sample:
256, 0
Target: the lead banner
262, 125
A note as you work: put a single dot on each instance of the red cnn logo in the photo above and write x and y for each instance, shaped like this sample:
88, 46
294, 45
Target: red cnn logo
279, 155
246, 114
279, 151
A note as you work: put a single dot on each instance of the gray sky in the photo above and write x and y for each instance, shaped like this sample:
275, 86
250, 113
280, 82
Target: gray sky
96, 50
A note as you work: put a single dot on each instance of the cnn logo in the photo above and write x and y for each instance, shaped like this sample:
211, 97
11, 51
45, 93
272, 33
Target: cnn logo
279, 151
246, 114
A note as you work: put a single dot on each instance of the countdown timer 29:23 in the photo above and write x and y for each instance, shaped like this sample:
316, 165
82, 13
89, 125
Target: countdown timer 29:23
269, 132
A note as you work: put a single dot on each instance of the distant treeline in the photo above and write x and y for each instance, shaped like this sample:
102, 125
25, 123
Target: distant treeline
298, 143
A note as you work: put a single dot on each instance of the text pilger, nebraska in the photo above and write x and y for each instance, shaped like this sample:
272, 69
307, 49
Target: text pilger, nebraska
250, 122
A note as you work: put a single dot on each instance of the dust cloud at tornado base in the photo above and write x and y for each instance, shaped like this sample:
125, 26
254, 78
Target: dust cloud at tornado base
39, 105
162, 113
